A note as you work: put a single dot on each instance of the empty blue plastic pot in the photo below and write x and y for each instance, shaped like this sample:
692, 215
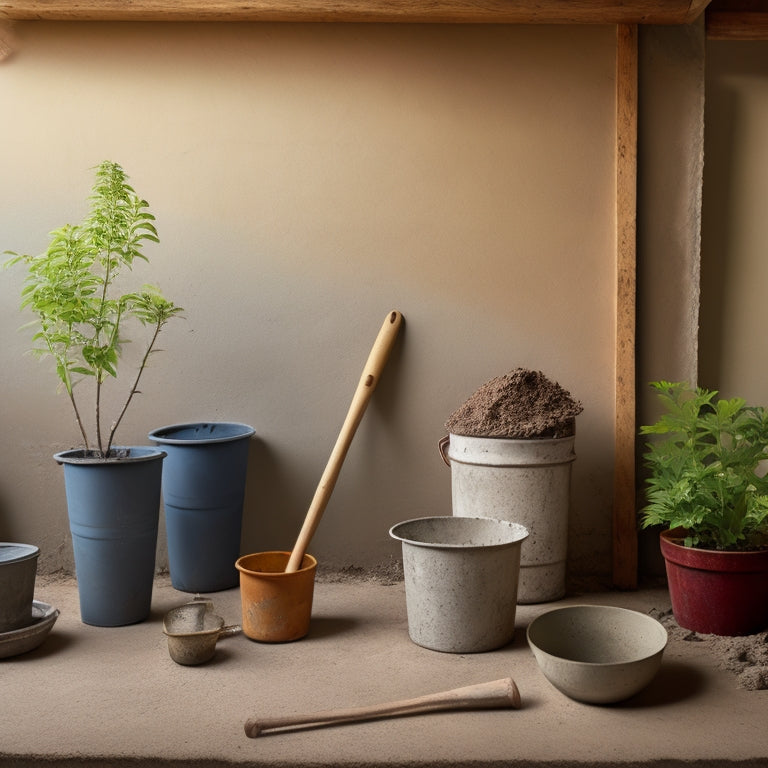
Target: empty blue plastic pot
204, 478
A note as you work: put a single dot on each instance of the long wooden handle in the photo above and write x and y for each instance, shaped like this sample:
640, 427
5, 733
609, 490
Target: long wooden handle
499, 693
368, 381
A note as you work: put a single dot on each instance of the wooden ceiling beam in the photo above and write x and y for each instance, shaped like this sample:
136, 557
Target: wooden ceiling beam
403, 11
737, 25
737, 20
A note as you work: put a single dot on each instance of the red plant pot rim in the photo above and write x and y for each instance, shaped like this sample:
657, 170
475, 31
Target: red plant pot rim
732, 561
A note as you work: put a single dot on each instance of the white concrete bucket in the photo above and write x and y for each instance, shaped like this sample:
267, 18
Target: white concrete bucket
522, 481
461, 576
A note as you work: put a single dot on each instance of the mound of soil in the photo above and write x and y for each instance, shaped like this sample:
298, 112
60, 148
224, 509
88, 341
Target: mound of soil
520, 404
746, 657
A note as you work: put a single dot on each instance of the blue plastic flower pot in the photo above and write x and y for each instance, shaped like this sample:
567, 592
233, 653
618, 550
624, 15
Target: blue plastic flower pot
204, 478
114, 509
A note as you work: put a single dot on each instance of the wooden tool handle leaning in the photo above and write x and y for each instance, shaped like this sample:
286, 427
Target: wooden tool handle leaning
495, 694
368, 381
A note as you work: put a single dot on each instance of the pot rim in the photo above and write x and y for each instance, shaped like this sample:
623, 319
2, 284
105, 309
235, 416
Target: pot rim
521, 531
27, 552
135, 454
160, 435
500, 452
311, 565
196, 633
709, 559
532, 439
662, 636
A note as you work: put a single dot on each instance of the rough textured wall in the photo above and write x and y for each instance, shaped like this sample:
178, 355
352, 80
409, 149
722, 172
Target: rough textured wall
734, 267
671, 156
306, 180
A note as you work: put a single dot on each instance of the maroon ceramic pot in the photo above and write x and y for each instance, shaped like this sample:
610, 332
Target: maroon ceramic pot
714, 592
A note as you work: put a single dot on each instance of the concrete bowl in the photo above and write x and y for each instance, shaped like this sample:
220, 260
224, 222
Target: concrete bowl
596, 653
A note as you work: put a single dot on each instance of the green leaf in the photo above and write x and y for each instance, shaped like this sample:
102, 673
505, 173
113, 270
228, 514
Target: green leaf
702, 463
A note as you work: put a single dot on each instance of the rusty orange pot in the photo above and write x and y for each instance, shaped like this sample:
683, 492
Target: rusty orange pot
277, 606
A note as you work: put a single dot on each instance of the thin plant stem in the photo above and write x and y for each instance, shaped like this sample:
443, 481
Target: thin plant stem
135, 386
98, 416
79, 420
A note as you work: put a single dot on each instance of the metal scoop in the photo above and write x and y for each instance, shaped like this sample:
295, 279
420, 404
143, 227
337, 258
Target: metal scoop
192, 630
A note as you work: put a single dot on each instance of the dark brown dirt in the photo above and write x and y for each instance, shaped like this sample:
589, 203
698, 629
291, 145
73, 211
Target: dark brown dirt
746, 657
520, 404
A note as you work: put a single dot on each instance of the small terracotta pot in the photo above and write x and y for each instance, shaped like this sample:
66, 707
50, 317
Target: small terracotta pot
715, 592
277, 606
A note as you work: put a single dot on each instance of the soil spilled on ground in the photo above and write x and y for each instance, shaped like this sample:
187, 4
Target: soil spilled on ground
746, 657
519, 405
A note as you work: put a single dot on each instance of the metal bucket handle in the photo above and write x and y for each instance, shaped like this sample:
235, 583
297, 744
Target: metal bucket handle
230, 630
442, 446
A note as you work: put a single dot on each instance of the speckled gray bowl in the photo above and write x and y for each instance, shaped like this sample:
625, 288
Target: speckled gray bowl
598, 654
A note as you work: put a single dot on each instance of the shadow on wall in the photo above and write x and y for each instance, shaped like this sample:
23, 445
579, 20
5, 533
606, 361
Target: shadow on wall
272, 503
6, 528
733, 229
278, 495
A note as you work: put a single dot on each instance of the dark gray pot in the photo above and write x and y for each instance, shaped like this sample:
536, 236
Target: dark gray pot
18, 570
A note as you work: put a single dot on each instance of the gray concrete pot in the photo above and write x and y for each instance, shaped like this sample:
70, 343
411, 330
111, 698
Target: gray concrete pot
461, 577
523, 481
18, 570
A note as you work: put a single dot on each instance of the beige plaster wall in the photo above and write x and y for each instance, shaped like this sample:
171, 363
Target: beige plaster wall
306, 180
734, 264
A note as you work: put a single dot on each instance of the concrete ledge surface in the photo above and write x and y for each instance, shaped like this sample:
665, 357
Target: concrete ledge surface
93, 696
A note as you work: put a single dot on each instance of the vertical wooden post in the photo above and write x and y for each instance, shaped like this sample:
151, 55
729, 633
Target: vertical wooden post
624, 536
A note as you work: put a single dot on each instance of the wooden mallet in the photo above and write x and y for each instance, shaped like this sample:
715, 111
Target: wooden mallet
496, 694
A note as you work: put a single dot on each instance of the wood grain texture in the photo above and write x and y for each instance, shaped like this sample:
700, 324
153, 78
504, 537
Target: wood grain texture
624, 512
737, 20
495, 694
374, 367
737, 25
406, 11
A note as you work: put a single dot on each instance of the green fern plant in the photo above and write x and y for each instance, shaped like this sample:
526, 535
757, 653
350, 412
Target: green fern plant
705, 469
81, 316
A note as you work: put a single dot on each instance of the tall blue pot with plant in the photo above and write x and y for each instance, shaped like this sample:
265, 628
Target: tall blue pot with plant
113, 519
82, 321
204, 477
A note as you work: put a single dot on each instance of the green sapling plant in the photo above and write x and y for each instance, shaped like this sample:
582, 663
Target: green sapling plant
72, 289
706, 469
